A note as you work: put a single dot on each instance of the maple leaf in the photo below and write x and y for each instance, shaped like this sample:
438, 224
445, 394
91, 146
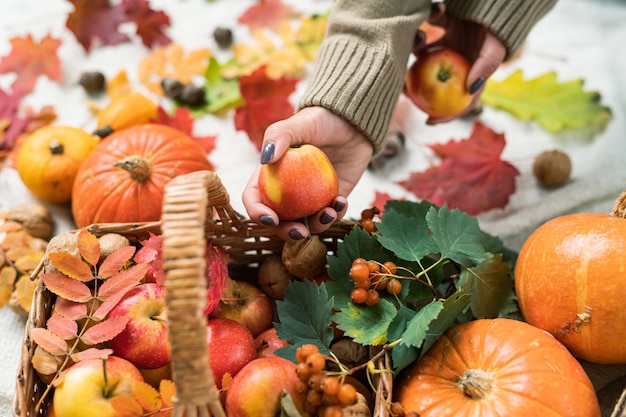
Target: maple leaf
266, 13
171, 61
380, 199
151, 255
217, 276
29, 59
554, 106
471, 176
183, 120
265, 101
150, 23
16, 128
96, 19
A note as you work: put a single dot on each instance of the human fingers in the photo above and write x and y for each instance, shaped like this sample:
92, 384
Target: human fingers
490, 56
278, 137
323, 219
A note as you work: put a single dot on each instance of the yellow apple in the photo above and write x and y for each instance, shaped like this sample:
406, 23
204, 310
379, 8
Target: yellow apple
89, 386
301, 183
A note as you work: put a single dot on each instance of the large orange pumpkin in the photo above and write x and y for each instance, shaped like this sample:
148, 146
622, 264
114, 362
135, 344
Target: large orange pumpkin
570, 279
124, 177
493, 368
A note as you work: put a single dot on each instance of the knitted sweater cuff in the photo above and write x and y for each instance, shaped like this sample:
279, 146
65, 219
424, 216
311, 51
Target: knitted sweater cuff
360, 84
509, 20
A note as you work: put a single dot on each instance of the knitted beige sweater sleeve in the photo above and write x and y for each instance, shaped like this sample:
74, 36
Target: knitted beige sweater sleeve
360, 66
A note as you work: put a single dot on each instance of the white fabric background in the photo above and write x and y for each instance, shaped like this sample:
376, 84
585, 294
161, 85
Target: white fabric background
578, 39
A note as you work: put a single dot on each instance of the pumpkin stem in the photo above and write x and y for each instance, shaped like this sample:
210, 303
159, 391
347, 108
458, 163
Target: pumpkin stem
476, 383
56, 147
619, 208
139, 168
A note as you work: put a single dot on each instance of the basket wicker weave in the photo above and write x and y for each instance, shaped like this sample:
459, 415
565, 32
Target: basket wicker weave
196, 210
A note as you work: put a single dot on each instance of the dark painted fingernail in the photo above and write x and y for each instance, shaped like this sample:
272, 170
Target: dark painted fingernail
339, 205
267, 220
419, 38
476, 85
326, 218
436, 7
295, 234
267, 152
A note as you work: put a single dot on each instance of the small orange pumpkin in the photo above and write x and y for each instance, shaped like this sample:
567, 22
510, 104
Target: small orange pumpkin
570, 279
496, 367
49, 159
126, 110
124, 177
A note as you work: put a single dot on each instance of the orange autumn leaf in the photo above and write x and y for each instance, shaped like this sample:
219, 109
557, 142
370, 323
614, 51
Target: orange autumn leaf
7, 280
29, 59
167, 389
126, 406
118, 85
66, 287
24, 290
48, 341
70, 309
71, 266
28, 258
172, 61
115, 261
148, 397
267, 13
62, 326
104, 330
91, 353
114, 288
88, 246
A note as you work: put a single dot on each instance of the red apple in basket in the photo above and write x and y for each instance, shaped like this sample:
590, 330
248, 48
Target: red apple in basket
144, 340
301, 183
230, 347
84, 390
256, 390
267, 342
436, 83
246, 303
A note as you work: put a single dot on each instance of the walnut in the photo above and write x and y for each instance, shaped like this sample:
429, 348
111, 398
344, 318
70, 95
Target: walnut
305, 258
552, 168
273, 277
111, 242
34, 218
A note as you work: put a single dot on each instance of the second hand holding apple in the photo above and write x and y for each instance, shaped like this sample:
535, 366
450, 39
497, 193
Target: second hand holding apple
347, 148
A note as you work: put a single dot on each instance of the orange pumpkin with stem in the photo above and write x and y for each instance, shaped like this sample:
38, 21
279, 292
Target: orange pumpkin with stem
570, 279
124, 177
496, 367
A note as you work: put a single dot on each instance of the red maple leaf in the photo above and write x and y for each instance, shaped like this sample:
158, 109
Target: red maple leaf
184, 121
151, 254
266, 101
471, 176
30, 59
150, 23
266, 13
380, 199
96, 19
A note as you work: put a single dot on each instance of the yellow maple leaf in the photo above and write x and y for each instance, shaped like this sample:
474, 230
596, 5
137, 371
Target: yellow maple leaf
172, 61
118, 85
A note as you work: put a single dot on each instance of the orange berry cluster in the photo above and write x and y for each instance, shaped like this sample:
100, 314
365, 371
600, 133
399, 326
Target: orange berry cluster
370, 277
367, 219
324, 395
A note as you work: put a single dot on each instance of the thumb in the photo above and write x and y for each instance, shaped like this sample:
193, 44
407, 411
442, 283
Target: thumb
278, 137
490, 56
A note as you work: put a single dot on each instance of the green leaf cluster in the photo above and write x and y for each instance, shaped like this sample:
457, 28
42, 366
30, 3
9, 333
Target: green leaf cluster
451, 272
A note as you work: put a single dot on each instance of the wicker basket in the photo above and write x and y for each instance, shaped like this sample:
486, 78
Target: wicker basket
196, 209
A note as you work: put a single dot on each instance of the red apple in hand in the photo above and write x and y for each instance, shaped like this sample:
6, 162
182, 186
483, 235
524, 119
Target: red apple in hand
144, 340
436, 83
84, 391
230, 347
301, 183
267, 342
246, 303
256, 390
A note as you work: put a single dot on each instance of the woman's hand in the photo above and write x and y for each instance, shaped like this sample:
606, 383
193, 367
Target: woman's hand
347, 148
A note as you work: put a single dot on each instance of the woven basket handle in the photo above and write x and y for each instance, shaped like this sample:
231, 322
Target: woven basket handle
189, 204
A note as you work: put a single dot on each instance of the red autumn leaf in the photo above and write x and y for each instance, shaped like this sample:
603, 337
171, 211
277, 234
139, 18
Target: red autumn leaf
114, 288
29, 59
217, 275
88, 246
70, 309
183, 120
266, 13
471, 176
266, 101
71, 266
150, 23
48, 341
62, 326
96, 19
66, 287
91, 353
115, 261
17, 127
104, 331
380, 199
10, 124
151, 255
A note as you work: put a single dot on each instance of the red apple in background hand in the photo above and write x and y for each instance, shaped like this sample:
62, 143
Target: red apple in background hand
267, 342
249, 305
301, 183
230, 347
84, 391
436, 83
144, 340
256, 390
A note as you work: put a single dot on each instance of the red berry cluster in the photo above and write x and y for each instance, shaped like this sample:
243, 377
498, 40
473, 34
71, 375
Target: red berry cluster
324, 395
370, 277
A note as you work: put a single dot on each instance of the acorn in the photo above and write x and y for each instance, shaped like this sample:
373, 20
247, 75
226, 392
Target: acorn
192, 95
223, 37
172, 88
92, 81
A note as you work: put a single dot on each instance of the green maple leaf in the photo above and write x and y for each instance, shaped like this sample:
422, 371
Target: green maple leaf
221, 93
554, 106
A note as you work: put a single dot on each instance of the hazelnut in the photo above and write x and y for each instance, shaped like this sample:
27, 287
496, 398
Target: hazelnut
552, 168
